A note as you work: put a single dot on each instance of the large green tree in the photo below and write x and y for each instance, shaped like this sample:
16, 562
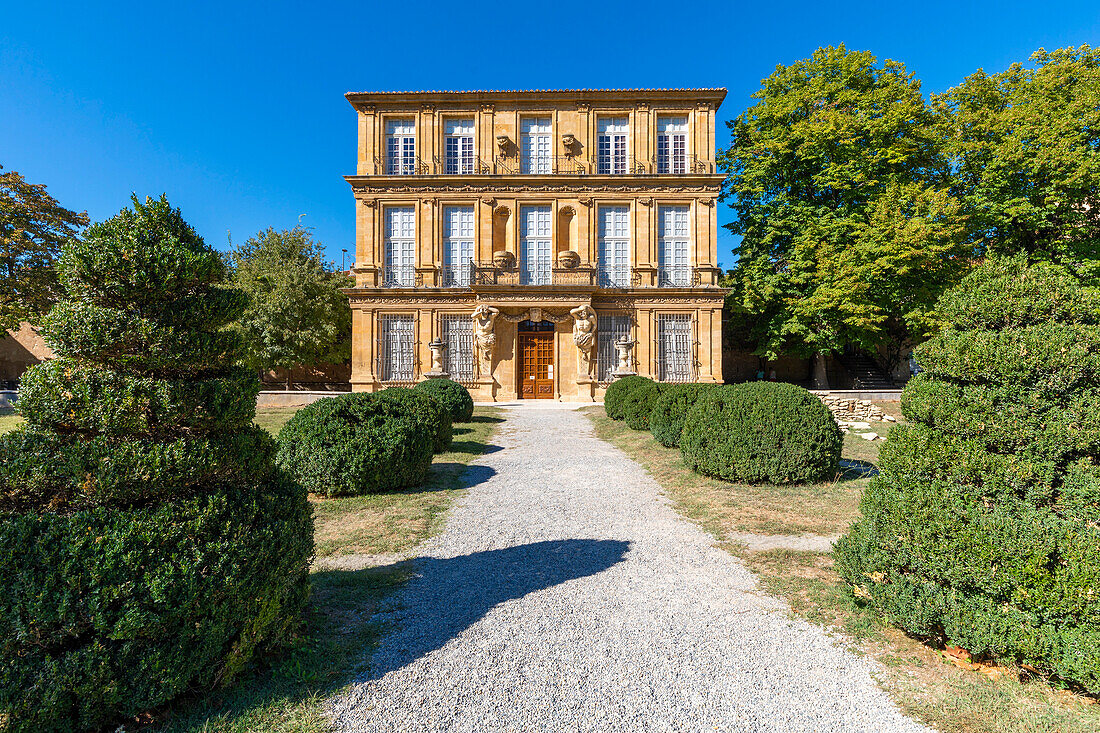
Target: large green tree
1024, 146
33, 227
297, 314
849, 232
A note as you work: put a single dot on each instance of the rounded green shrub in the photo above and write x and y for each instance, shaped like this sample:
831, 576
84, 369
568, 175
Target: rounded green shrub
428, 409
638, 404
615, 394
148, 545
666, 420
761, 431
983, 528
453, 396
356, 444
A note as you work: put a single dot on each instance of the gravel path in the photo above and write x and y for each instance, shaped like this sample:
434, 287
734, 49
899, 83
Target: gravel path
566, 595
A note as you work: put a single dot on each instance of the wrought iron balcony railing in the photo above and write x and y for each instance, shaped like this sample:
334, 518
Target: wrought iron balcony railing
567, 165
401, 276
678, 276
457, 275
491, 274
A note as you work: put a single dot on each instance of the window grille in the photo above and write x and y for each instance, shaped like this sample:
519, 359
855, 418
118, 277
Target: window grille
458, 333
614, 246
675, 353
400, 148
458, 245
609, 329
535, 246
673, 267
535, 144
672, 145
612, 149
400, 244
458, 144
396, 356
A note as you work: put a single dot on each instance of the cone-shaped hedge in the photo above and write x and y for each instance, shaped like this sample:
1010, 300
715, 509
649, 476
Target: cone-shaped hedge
147, 544
983, 530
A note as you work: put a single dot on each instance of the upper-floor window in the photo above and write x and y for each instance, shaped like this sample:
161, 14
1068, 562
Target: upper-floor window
672, 144
458, 245
613, 244
458, 147
535, 245
535, 145
673, 267
400, 247
400, 147
612, 148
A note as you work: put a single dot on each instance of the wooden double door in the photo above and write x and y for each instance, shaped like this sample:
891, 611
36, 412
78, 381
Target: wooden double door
536, 365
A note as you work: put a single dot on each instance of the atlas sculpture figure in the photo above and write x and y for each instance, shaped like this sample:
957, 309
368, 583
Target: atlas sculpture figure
485, 337
584, 336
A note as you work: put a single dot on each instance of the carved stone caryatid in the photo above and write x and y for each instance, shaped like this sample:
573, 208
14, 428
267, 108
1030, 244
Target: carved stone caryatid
584, 336
485, 338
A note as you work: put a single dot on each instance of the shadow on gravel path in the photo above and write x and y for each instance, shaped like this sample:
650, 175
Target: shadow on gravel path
451, 594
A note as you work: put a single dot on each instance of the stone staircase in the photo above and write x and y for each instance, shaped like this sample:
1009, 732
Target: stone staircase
865, 373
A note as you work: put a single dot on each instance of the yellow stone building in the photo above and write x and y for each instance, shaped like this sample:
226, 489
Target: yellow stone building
517, 236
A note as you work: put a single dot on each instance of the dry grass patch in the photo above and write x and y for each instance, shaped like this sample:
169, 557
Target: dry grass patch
723, 507
947, 694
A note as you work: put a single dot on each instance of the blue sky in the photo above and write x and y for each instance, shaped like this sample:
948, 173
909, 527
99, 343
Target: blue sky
236, 110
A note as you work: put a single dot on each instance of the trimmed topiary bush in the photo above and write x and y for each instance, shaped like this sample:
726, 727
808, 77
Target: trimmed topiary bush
761, 431
638, 404
453, 396
148, 546
427, 408
983, 529
666, 420
356, 444
616, 393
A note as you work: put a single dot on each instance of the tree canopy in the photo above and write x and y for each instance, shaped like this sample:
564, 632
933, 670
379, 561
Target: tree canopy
33, 227
1024, 145
849, 231
297, 313
859, 203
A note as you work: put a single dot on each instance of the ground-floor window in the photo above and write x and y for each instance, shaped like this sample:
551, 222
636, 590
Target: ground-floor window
396, 354
609, 329
457, 331
675, 362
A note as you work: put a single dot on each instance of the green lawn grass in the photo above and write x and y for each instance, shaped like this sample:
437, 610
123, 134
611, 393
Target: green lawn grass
921, 679
338, 634
9, 420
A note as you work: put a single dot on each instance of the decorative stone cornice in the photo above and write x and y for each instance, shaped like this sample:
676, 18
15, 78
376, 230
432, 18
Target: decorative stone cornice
361, 186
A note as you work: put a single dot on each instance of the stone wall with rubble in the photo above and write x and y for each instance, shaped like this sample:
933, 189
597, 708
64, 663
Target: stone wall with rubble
847, 409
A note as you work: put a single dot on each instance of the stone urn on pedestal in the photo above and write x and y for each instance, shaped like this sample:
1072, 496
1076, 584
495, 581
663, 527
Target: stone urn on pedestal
437, 347
625, 347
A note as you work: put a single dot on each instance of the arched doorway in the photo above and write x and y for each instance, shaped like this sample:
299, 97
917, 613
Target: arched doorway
536, 360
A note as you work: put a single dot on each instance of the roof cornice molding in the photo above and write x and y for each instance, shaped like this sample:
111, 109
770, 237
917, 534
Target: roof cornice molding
711, 95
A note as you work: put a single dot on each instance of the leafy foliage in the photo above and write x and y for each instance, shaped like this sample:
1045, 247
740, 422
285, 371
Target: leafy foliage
356, 444
761, 431
148, 544
428, 409
849, 230
297, 314
1023, 147
614, 398
453, 396
982, 530
638, 405
666, 420
33, 228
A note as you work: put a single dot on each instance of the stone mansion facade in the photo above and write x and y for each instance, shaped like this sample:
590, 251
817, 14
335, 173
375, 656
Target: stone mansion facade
519, 235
